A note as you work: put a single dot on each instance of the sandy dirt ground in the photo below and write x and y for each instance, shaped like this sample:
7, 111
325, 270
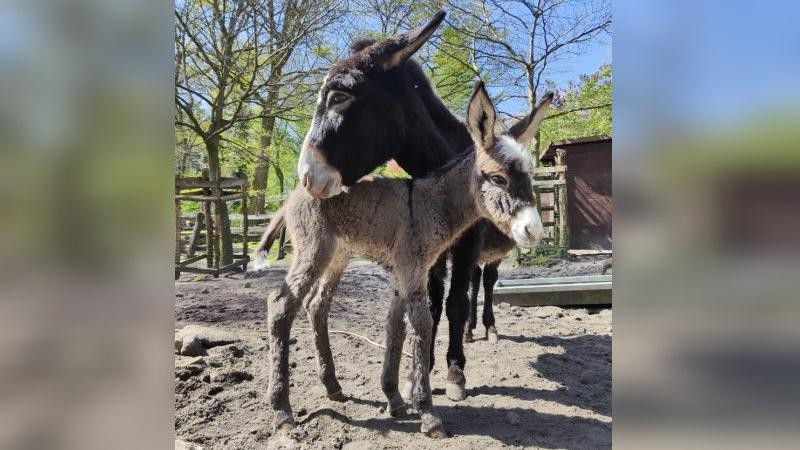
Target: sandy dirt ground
545, 384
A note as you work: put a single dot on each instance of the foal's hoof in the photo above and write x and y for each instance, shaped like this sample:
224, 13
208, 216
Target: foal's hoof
283, 422
491, 334
337, 396
408, 387
468, 336
398, 410
455, 388
432, 426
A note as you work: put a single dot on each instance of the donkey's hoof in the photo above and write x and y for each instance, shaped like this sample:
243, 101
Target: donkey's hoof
408, 388
455, 392
468, 336
491, 335
455, 388
283, 422
432, 426
337, 396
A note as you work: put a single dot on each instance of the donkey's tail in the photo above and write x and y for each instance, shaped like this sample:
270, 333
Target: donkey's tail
270, 234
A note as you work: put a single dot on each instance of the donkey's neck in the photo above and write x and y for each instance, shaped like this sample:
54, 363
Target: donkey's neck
444, 204
436, 136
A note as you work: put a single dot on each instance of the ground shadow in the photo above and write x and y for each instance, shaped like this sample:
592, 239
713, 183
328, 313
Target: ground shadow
583, 372
530, 428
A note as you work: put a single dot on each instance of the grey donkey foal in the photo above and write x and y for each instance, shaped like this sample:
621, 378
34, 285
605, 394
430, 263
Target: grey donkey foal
403, 225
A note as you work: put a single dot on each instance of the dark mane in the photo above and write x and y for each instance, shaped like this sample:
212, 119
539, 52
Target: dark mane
360, 44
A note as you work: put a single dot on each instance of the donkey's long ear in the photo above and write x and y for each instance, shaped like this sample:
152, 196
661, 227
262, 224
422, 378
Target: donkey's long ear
524, 130
394, 51
481, 117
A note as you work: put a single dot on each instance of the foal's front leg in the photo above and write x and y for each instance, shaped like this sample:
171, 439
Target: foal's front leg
419, 317
282, 308
395, 335
317, 308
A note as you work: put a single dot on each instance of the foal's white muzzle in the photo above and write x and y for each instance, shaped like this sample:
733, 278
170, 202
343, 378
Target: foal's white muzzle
526, 227
320, 179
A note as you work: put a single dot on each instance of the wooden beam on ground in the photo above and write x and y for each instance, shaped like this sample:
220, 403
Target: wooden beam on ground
561, 291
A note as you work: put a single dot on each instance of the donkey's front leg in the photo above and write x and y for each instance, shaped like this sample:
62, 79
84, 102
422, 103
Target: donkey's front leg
489, 279
472, 320
419, 317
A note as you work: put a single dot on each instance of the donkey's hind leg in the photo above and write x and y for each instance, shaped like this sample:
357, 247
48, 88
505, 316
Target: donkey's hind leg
282, 308
317, 307
489, 279
472, 321
436, 278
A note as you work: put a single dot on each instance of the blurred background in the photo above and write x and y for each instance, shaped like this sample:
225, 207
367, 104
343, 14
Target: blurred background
706, 180
707, 173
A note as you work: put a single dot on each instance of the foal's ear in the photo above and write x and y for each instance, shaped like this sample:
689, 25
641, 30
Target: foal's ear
481, 117
394, 51
524, 130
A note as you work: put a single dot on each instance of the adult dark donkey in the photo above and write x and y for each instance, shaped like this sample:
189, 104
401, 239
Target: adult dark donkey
376, 105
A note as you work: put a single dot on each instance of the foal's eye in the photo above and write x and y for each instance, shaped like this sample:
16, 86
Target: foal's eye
498, 180
335, 98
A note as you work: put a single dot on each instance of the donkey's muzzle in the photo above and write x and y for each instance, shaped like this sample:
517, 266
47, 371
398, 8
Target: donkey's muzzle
526, 227
316, 175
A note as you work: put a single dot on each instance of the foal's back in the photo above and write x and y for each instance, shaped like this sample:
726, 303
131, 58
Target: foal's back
369, 220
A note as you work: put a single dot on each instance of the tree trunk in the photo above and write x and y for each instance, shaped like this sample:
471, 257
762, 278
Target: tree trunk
261, 173
282, 239
224, 223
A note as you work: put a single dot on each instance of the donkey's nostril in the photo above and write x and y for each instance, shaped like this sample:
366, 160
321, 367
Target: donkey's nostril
305, 181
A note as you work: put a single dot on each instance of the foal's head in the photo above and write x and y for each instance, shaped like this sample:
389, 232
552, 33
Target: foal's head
503, 168
364, 109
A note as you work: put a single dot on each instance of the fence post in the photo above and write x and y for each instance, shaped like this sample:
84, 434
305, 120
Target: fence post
561, 201
177, 230
245, 233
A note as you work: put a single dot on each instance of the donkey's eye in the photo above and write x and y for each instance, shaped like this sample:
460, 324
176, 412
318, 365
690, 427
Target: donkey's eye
498, 180
335, 98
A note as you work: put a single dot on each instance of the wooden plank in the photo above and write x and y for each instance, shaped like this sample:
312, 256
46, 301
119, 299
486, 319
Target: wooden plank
560, 287
549, 170
589, 252
193, 259
201, 182
560, 298
554, 280
548, 183
208, 198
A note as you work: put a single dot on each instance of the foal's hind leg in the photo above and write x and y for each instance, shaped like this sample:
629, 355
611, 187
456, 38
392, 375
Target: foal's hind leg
489, 279
317, 307
282, 308
472, 321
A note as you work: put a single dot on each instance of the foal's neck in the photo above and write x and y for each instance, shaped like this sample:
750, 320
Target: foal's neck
445, 203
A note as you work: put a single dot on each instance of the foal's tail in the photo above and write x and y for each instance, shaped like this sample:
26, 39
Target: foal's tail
270, 234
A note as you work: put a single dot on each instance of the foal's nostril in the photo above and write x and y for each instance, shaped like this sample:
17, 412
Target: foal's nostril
305, 181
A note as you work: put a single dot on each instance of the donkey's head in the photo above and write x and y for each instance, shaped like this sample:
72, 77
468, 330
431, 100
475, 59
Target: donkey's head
364, 109
503, 169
